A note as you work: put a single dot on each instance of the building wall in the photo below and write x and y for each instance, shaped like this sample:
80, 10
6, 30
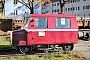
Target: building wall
77, 7
52, 8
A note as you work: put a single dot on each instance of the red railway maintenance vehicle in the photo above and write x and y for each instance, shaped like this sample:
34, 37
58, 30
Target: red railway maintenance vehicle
46, 32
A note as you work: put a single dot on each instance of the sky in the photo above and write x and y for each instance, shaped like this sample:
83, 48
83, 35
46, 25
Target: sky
10, 7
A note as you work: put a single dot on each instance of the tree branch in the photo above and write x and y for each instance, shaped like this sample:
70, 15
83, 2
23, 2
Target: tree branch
36, 5
25, 4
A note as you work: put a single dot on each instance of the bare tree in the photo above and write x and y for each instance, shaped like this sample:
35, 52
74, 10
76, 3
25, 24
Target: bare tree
62, 3
30, 4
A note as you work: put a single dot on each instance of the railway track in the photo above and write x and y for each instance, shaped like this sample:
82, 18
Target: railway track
37, 54
13, 51
9, 51
16, 53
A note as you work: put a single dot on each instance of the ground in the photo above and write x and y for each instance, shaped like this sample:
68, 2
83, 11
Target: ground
83, 48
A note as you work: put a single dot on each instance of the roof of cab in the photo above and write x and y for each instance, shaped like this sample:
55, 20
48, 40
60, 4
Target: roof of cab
52, 15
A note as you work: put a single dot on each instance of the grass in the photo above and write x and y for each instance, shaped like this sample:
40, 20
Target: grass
5, 42
68, 56
51, 56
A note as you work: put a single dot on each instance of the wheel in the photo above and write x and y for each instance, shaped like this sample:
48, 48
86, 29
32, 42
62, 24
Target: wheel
46, 51
87, 36
67, 47
24, 49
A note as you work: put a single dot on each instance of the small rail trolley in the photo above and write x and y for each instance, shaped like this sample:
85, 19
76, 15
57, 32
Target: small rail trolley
46, 32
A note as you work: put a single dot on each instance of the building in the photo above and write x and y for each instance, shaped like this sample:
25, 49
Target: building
77, 7
52, 8
15, 11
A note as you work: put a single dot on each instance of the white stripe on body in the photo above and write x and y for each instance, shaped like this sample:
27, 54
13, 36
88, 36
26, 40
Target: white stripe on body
28, 30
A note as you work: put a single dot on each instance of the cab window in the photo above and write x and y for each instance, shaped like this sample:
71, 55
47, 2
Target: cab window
41, 23
62, 22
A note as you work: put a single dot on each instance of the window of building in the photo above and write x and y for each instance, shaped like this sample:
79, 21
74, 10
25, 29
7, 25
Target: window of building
83, 7
41, 23
73, 8
84, 0
78, 0
15, 12
55, 10
46, 11
72, 1
78, 15
87, 7
68, 9
57, 4
58, 10
52, 10
65, 9
52, 4
43, 8
78, 8
75, 0
89, 15
62, 23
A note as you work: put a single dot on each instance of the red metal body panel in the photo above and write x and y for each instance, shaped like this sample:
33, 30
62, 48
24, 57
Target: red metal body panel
53, 35
19, 37
52, 38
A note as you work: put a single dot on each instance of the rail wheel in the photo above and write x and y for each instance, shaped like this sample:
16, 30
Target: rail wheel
46, 51
67, 47
24, 49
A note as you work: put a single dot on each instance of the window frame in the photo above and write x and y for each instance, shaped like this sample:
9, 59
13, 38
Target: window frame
69, 23
46, 23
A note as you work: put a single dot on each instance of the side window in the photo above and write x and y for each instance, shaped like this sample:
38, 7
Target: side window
41, 23
62, 23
